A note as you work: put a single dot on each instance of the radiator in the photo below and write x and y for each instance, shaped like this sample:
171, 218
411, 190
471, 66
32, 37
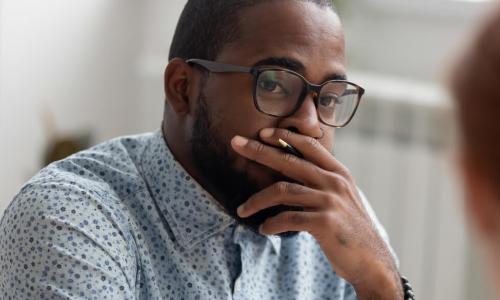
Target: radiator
398, 149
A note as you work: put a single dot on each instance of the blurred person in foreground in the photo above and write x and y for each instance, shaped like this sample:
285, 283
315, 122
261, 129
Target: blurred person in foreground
475, 83
210, 206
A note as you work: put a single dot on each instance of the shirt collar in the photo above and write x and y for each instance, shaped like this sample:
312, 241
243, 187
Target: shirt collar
192, 213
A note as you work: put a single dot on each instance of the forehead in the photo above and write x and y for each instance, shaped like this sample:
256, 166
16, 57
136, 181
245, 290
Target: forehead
302, 31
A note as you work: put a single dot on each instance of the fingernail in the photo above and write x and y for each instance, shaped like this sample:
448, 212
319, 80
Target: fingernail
267, 133
240, 141
240, 209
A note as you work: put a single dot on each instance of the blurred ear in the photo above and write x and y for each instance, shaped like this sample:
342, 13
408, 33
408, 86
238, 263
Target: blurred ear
482, 203
180, 83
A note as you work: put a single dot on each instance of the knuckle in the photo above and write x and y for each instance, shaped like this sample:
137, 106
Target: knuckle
344, 184
259, 147
289, 158
326, 220
340, 182
295, 189
282, 187
346, 172
312, 142
328, 200
286, 134
321, 172
345, 169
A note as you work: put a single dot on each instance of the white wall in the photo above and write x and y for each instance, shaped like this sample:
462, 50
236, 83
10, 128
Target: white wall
158, 31
415, 41
408, 38
79, 59
97, 65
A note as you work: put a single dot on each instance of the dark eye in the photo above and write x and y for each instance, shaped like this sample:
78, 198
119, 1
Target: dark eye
271, 86
329, 100
268, 85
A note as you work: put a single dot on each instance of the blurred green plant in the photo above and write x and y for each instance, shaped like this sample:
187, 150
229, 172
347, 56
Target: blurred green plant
340, 5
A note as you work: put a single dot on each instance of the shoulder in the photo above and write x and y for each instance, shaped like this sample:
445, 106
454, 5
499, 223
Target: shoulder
89, 185
63, 224
117, 160
51, 205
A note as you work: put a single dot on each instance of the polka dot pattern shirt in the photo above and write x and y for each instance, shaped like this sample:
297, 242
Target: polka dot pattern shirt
124, 220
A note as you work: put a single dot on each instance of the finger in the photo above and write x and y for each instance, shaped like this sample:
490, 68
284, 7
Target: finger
310, 147
290, 221
285, 193
285, 163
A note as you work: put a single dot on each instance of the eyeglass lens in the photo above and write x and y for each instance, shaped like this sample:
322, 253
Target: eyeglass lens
278, 93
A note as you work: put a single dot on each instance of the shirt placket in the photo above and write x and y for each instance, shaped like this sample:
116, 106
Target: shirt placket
255, 251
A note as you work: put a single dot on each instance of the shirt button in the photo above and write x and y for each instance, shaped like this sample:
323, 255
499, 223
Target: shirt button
237, 286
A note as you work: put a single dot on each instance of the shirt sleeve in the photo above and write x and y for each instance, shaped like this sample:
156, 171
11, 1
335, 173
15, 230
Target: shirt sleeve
59, 241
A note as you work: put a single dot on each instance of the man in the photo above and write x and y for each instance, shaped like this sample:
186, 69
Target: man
211, 207
475, 83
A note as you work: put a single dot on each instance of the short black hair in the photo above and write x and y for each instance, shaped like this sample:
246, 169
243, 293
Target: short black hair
206, 26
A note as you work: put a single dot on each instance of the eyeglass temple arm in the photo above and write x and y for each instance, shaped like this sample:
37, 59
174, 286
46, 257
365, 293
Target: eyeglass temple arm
360, 91
353, 92
219, 67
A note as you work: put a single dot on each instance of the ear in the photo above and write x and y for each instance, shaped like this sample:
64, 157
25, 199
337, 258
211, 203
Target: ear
179, 83
482, 204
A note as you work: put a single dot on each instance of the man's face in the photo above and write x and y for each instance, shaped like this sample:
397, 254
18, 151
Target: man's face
311, 38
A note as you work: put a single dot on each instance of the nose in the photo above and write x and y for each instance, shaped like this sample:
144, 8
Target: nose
305, 120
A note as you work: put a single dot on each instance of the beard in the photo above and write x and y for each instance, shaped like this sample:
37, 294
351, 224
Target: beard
213, 159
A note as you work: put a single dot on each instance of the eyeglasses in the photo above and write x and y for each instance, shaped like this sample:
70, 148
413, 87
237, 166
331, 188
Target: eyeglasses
280, 92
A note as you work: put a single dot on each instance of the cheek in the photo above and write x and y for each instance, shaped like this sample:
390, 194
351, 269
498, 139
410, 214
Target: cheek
233, 108
230, 98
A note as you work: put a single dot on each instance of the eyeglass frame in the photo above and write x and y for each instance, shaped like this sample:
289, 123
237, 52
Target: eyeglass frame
217, 67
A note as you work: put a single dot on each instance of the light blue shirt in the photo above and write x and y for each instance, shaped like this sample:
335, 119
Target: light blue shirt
124, 220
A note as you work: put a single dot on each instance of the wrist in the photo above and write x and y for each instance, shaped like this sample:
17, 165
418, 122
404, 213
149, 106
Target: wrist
380, 283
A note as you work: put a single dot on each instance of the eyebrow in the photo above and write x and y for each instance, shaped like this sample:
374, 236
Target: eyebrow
294, 65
